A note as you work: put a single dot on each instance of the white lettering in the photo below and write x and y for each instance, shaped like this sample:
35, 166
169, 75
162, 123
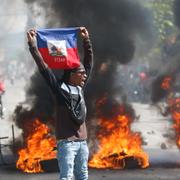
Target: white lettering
59, 59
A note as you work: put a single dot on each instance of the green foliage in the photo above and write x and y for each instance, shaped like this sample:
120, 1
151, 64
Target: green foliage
163, 17
164, 28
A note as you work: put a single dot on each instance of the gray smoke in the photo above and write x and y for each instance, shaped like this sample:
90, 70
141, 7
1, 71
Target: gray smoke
12, 23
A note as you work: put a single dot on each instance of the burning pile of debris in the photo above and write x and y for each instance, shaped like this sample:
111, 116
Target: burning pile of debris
39, 145
174, 109
117, 143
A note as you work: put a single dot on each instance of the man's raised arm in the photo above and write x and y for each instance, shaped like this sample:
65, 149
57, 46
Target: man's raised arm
31, 36
42, 66
88, 51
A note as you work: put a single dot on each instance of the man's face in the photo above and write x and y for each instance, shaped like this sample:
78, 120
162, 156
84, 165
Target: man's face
79, 77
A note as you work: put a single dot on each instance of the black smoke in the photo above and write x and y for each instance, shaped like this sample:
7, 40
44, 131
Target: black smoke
171, 70
114, 27
158, 93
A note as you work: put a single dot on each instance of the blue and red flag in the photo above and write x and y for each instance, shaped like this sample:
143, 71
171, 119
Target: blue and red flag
58, 47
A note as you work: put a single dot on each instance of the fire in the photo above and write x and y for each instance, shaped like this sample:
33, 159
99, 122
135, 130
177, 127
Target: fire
117, 142
166, 84
38, 146
174, 108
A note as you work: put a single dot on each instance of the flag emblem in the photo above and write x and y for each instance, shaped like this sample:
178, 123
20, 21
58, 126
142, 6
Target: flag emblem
57, 48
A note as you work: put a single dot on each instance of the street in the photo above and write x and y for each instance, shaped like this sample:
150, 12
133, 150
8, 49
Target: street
152, 173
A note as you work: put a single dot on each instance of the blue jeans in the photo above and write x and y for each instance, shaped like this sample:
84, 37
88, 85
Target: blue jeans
73, 159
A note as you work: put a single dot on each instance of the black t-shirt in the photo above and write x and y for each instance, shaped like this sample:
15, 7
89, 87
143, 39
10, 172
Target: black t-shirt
65, 127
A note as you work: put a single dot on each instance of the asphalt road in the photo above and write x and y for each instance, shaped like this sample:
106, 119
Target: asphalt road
152, 173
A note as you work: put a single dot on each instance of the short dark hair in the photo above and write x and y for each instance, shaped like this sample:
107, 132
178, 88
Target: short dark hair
81, 67
67, 72
66, 75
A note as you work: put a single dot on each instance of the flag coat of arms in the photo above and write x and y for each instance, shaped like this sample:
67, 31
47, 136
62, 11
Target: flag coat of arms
58, 47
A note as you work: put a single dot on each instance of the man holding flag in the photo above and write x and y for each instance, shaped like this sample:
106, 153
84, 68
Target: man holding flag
56, 48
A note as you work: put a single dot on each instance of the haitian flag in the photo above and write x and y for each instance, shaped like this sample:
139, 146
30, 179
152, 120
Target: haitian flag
58, 47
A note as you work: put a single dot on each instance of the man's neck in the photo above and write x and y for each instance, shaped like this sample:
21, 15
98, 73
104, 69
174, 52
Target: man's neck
71, 83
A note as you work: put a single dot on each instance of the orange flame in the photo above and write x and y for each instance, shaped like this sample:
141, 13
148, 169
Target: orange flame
166, 84
174, 107
39, 146
117, 144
